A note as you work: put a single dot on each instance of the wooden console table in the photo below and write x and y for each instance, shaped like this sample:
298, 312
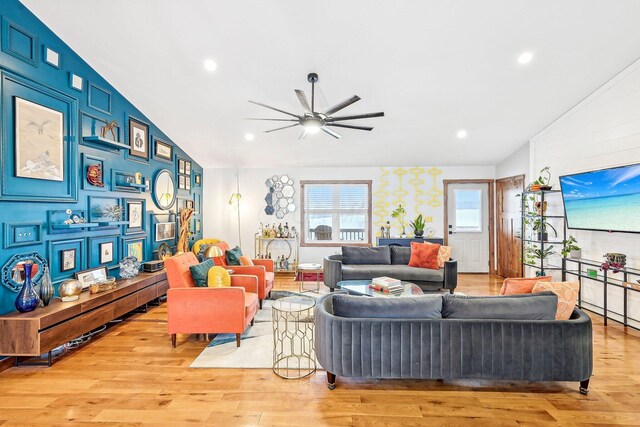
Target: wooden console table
42, 330
406, 241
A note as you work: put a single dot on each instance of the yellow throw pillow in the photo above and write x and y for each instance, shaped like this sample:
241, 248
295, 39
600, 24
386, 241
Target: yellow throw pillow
444, 255
218, 277
567, 293
245, 260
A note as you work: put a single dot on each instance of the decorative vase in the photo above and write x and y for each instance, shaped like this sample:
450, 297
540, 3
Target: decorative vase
576, 254
27, 299
70, 290
130, 267
534, 187
46, 287
546, 187
418, 233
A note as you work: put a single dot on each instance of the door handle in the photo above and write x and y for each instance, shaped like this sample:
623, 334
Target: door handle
451, 232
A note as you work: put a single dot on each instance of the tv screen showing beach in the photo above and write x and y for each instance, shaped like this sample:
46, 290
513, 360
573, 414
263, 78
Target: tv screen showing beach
607, 200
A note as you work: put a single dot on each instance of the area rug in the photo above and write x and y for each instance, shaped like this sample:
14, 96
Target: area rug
256, 343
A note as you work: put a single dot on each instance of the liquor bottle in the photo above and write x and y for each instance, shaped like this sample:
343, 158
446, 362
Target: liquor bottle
285, 231
269, 255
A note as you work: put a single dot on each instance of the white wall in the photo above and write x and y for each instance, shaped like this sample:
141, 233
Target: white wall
220, 184
602, 131
517, 163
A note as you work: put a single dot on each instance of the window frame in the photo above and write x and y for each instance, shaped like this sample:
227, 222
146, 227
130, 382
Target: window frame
303, 224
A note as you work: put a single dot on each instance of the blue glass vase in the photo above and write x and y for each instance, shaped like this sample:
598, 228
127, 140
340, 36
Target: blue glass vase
27, 299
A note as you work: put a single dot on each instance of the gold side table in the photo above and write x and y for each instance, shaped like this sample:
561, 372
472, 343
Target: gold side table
293, 337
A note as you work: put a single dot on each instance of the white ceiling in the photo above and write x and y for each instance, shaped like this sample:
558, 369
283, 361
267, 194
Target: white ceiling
432, 66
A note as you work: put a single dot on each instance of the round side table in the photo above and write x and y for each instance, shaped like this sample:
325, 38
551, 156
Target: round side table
293, 342
309, 267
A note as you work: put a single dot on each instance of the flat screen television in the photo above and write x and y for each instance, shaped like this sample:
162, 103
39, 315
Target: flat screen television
603, 200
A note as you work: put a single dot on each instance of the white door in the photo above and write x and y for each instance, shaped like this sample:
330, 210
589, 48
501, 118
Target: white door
468, 228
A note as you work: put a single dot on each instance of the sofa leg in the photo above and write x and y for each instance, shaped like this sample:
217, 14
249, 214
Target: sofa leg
237, 340
173, 340
584, 387
331, 289
331, 380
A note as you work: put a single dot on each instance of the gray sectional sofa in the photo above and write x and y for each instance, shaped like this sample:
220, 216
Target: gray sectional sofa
364, 263
453, 337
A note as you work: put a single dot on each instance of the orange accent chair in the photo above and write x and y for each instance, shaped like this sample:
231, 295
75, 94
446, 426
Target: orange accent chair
200, 310
262, 269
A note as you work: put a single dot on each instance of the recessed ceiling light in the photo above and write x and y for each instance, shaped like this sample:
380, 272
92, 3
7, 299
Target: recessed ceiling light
249, 136
461, 134
210, 65
525, 58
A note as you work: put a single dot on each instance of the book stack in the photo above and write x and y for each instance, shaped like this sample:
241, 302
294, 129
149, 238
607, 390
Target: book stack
387, 285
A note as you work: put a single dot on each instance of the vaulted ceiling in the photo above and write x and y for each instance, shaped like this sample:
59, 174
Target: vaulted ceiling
433, 67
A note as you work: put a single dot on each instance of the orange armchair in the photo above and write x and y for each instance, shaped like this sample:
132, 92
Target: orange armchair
262, 269
198, 310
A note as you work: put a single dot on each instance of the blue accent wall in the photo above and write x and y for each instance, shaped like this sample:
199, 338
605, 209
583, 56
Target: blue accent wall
37, 66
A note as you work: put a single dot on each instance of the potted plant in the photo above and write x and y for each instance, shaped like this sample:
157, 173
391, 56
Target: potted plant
542, 183
399, 213
418, 226
570, 248
540, 227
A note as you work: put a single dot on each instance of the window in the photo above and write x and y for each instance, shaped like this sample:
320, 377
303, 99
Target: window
468, 210
336, 213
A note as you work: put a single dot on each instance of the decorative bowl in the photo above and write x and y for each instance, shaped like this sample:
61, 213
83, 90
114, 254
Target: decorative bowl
70, 290
102, 285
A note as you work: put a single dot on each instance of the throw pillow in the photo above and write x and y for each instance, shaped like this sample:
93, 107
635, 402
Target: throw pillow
233, 256
218, 277
444, 255
246, 260
418, 307
540, 306
424, 256
357, 255
521, 285
567, 293
199, 272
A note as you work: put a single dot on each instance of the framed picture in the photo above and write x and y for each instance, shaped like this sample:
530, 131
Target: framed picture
138, 139
181, 182
106, 252
197, 179
93, 275
39, 141
187, 182
163, 150
135, 215
180, 166
68, 259
187, 168
198, 226
134, 249
165, 231
188, 204
164, 251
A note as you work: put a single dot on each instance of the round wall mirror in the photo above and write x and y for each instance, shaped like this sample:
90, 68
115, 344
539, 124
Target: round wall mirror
164, 189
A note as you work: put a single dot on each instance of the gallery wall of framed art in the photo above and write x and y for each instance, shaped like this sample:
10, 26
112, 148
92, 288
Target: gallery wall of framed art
79, 162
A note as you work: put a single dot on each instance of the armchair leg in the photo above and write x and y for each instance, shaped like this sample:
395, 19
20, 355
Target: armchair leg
331, 380
584, 387
173, 340
237, 340
451, 291
260, 301
253, 321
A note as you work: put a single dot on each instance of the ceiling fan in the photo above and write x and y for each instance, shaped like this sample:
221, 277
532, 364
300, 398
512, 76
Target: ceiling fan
313, 121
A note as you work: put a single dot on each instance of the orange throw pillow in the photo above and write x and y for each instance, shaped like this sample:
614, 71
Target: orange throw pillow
567, 296
521, 285
424, 256
444, 255
245, 260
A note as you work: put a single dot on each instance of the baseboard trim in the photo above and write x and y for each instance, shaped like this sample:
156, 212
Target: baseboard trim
7, 363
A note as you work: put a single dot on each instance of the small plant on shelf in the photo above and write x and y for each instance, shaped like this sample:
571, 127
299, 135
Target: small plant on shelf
570, 247
543, 180
399, 213
418, 226
540, 227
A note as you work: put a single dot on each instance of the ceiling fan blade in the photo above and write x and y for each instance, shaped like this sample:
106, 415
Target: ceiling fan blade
284, 127
303, 100
357, 116
274, 120
343, 104
350, 126
331, 132
273, 108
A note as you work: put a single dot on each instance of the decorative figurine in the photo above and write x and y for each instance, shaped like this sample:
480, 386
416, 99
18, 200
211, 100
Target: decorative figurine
109, 127
94, 175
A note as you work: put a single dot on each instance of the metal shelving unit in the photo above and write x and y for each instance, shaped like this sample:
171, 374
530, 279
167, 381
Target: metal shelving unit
606, 280
540, 196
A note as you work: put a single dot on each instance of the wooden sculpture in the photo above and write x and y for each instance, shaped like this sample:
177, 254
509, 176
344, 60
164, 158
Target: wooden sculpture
185, 221
109, 127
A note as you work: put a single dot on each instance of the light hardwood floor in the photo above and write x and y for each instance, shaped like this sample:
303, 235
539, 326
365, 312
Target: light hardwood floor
130, 375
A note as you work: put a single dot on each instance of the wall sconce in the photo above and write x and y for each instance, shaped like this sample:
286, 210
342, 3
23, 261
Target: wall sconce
236, 197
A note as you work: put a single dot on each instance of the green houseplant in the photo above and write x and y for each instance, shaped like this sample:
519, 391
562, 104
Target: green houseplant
399, 213
540, 227
570, 248
418, 226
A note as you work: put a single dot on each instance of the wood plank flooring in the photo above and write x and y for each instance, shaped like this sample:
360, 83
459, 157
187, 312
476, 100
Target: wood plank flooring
130, 375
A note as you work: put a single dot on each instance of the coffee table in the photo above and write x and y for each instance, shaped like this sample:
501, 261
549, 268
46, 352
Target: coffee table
361, 287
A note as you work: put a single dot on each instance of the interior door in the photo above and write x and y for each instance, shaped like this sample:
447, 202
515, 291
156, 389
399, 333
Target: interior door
508, 223
468, 226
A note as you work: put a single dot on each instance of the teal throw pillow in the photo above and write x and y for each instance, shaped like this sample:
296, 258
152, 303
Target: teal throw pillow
233, 256
199, 273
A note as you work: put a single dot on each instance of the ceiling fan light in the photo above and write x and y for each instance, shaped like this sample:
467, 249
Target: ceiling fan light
312, 129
